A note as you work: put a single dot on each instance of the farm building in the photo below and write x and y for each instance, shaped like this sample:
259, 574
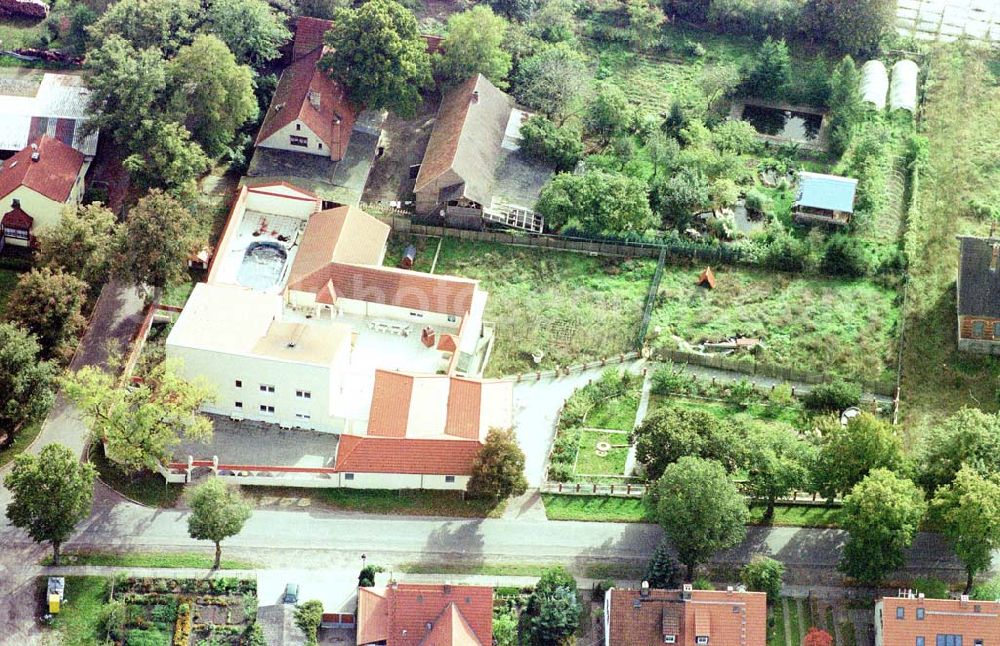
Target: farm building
824, 199
903, 88
979, 295
472, 171
874, 84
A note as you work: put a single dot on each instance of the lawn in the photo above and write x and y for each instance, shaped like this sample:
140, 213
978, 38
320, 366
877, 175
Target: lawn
177, 295
77, 624
613, 509
405, 502
573, 307
188, 560
146, 487
617, 413
18, 32
8, 280
825, 326
960, 119
21, 441
787, 416
588, 462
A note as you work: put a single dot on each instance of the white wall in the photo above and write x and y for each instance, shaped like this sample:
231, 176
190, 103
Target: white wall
280, 140
402, 481
281, 200
223, 370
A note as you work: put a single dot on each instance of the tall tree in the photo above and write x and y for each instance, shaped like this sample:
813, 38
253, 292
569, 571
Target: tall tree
498, 471
561, 146
164, 25
212, 95
846, 109
645, 23
554, 607
159, 234
50, 494
552, 81
855, 26
26, 381
126, 86
597, 202
252, 29
142, 423
218, 511
671, 433
679, 196
849, 453
968, 513
47, 304
817, 637
377, 52
767, 73
474, 45
777, 464
881, 514
81, 243
700, 509
166, 157
969, 437
663, 571
513, 9
608, 114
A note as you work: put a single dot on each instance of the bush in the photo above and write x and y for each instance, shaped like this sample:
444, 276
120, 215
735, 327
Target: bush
601, 587
544, 140
702, 583
366, 578
669, 379
834, 396
845, 255
785, 252
664, 571
560, 472
763, 574
742, 393
759, 18
308, 617
758, 203
931, 588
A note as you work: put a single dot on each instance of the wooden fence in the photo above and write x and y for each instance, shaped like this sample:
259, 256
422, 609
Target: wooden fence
639, 490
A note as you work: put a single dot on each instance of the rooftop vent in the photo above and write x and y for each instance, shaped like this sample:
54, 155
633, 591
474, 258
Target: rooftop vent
314, 98
644, 589
475, 96
36, 155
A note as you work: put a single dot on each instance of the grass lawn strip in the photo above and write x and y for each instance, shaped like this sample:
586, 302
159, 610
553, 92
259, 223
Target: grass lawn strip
827, 326
405, 502
145, 487
78, 622
187, 560
21, 442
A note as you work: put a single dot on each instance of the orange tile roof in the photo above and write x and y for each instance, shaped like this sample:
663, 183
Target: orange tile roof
970, 619
407, 455
389, 412
426, 615
447, 343
332, 121
722, 616
465, 401
53, 175
344, 234
390, 286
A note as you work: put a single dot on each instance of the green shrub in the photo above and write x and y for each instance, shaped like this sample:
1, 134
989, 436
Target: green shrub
702, 583
758, 202
560, 472
601, 587
845, 255
366, 578
565, 447
931, 588
668, 379
785, 252
763, 574
542, 139
742, 393
834, 396
664, 572
308, 617
166, 613
146, 637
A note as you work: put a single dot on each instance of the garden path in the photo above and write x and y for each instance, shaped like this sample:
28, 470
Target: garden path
640, 414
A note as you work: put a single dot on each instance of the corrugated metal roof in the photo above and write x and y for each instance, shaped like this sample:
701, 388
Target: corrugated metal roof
831, 192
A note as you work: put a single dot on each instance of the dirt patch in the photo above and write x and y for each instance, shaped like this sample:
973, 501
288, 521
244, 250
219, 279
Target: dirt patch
404, 142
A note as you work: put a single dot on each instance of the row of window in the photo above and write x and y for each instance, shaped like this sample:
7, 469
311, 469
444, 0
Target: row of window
269, 388
269, 410
447, 479
946, 640
979, 329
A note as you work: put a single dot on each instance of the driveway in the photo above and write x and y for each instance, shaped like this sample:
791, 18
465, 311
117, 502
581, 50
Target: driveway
536, 406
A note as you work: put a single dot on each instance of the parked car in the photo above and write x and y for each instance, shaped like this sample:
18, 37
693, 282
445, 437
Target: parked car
291, 593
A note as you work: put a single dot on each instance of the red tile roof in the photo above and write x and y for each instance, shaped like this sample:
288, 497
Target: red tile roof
17, 219
722, 616
971, 619
426, 615
53, 175
389, 412
367, 454
390, 286
309, 34
344, 234
333, 119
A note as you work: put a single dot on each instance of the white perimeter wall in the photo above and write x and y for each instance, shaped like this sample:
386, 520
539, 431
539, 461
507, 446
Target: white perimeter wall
402, 481
379, 311
281, 200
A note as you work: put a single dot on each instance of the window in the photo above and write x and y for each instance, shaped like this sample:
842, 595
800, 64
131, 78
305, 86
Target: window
239, 383
900, 612
267, 410
320, 146
17, 234
266, 388
978, 327
920, 641
348, 476
298, 126
977, 642
996, 331
303, 394
701, 640
451, 318
303, 416
449, 479
920, 614
949, 640
297, 140
239, 404
670, 639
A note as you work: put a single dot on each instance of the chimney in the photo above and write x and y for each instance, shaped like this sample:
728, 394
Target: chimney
475, 96
36, 155
644, 589
314, 98
729, 589
686, 592
964, 600
446, 588
994, 258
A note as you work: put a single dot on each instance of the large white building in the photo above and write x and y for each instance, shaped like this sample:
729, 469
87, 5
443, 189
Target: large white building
299, 324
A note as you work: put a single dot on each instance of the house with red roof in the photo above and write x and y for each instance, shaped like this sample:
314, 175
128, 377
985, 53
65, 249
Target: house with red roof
36, 184
910, 619
685, 617
407, 614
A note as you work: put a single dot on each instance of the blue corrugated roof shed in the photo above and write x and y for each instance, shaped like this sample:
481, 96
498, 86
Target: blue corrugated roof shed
831, 192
